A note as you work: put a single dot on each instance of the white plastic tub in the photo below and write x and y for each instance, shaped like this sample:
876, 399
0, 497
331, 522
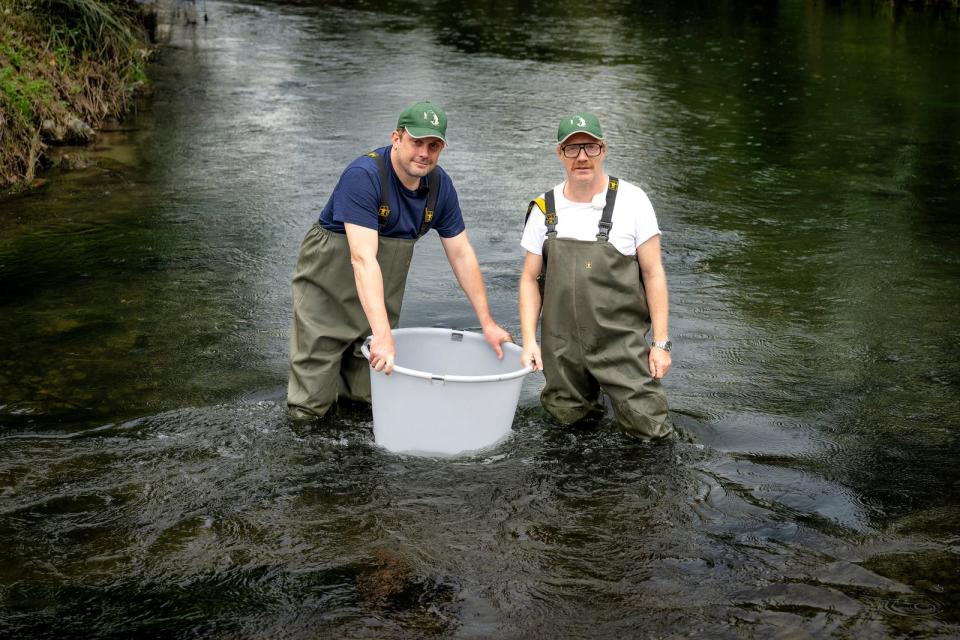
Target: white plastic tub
448, 393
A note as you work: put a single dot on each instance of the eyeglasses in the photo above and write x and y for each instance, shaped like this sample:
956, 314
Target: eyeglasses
592, 149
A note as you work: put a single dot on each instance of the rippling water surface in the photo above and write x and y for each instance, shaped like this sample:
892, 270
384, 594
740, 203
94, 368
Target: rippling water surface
803, 160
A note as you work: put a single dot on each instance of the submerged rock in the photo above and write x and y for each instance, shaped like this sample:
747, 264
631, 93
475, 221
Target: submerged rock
74, 161
53, 132
73, 131
79, 131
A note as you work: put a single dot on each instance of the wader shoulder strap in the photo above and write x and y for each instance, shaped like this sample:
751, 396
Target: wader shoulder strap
384, 211
538, 203
550, 215
548, 207
605, 220
433, 183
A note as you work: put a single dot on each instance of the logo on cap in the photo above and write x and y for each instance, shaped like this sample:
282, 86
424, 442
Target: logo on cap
435, 121
581, 122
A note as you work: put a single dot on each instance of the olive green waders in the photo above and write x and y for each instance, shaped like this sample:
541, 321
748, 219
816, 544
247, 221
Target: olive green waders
593, 333
329, 325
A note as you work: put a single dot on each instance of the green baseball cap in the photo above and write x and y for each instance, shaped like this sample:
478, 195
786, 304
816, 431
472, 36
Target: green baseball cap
581, 122
424, 120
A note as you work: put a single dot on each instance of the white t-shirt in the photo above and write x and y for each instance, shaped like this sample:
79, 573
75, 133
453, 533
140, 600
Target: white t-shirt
634, 221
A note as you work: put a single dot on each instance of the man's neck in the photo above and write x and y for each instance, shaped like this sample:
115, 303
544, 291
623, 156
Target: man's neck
580, 192
410, 182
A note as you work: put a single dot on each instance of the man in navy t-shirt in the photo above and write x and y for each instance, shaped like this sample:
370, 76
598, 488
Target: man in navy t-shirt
352, 266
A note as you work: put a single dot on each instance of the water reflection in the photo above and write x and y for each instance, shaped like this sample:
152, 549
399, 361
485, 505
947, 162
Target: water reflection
800, 161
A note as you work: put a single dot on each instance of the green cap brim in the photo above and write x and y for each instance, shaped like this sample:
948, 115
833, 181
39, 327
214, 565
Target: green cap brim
424, 132
573, 133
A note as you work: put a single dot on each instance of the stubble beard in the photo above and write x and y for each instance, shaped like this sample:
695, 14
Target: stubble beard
417, 170
582, 180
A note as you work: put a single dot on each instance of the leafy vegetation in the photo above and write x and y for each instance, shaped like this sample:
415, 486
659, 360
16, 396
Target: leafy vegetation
65, 66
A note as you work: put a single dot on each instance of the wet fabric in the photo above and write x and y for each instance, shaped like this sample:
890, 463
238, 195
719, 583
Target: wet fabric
329, 324
594, 324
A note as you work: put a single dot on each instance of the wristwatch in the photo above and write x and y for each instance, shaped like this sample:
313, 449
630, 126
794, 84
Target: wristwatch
666, 345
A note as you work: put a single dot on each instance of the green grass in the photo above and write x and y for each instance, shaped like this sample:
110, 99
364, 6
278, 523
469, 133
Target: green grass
21, 92
87, 26
60, 60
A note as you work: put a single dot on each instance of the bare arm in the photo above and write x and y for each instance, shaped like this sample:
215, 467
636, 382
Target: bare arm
655, 284
465, 267
366, 273
530, 307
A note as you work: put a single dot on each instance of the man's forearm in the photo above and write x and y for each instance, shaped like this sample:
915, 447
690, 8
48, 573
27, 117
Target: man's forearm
368, 277
655, 286
369, 280
530, 306
659, 306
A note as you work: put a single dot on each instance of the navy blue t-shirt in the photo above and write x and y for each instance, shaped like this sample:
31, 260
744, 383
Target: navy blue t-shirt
356, 199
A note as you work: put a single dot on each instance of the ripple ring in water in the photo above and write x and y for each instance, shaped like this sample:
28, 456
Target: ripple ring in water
912, 606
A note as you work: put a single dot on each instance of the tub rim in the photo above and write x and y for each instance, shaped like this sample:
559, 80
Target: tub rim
424, 375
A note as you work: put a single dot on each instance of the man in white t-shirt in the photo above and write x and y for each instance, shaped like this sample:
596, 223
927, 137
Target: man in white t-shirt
593, 271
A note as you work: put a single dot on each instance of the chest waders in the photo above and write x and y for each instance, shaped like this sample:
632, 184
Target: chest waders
593, 330
329, 324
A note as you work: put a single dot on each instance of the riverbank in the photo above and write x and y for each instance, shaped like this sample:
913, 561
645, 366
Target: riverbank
66, 68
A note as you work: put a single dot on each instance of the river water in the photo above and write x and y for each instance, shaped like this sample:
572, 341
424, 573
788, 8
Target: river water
803, 159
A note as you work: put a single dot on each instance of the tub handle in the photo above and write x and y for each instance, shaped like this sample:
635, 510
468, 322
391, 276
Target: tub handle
456, 336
